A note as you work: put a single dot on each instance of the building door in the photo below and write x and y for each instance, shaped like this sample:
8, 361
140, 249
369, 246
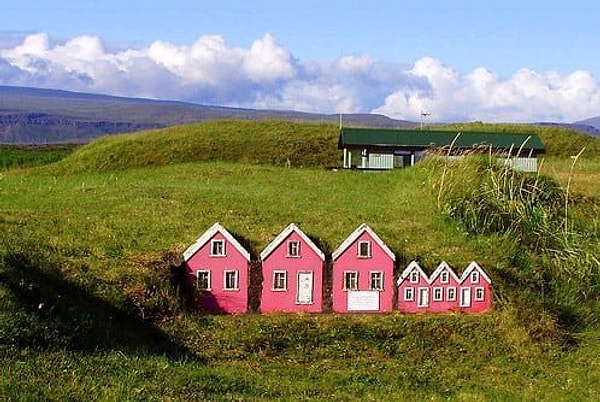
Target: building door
423, 297
465, 297
305, 288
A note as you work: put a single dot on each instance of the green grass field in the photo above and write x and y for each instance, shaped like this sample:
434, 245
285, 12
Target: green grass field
88, 246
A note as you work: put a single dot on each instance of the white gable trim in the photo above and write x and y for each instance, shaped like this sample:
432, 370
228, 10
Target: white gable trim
473, 266
441, 268
206, 236
412, 267
284, 235
355, 235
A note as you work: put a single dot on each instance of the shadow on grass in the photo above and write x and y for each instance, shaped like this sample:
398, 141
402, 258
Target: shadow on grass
52, 313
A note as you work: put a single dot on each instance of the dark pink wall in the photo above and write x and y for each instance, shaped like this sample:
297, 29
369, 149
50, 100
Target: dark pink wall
218, 300
349, 261
285, 301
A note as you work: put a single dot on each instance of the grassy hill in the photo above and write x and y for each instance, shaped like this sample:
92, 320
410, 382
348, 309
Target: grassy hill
91, 245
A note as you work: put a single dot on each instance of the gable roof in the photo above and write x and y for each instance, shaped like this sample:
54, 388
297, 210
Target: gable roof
411, 267
291, 228
355, 235
473, 266
206, 236
438, 271
352, 137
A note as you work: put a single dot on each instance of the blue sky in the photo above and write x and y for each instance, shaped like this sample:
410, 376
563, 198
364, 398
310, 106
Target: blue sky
460, 60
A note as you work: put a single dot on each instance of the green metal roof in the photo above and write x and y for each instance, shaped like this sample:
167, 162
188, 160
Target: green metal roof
402, 138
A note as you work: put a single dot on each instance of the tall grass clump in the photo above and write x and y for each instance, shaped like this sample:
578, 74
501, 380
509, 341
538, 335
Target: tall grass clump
554, 259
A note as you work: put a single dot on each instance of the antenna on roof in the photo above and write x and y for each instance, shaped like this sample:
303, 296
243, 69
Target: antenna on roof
424, 114
340, 120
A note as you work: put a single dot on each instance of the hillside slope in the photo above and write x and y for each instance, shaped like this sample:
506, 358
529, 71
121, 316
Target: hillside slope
91, 248
270, 142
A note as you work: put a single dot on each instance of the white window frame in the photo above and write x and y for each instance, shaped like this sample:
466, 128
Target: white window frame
214, 247
474, 277
277, 274
478, 290
423, 301
445, 277
368, 250
413, 277
347, 274
293, 248
409, 294
451, 293
208, 279
236, 279
438, 294
372, 275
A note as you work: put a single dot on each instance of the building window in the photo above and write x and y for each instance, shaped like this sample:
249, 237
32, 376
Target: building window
409, 294
479, 294
217, 248
364, 249
293, 249
445, 277
423, 297
414, 277
203, 280
279, 280
451, 294
231, 280
376, 282
474, 277
350, 280
438, 294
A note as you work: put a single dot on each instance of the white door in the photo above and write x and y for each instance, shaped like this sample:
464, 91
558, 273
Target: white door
423, 297
465, 297
305, 288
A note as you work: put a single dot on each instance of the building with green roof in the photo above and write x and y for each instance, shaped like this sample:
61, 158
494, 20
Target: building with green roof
383, 148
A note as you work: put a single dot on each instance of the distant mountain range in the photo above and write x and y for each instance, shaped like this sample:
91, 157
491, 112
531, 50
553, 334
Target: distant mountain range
33, 115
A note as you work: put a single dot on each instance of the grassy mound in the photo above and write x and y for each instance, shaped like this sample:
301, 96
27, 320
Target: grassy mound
279, 143
87, 301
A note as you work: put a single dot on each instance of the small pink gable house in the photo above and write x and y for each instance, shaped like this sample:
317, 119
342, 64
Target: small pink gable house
363, 272
413, 289
445, 287
292, 267
218, 265
475, 290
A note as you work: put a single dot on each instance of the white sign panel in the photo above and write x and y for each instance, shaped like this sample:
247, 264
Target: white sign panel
363, 300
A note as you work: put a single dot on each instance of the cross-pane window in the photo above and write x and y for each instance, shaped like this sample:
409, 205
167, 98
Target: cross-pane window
280, 280
376, 282
231, 280
351, 280
293, 248
203, 280
217, 248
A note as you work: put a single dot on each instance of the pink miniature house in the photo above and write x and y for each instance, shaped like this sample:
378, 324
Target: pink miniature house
475, 290
445, 288
292, 267
218, 266
413, 289
363, 271
444, 291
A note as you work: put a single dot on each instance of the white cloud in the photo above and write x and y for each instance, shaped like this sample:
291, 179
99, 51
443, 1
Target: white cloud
266, 75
